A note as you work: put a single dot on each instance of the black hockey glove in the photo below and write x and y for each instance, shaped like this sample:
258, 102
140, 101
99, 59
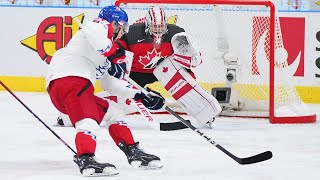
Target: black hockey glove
152, 101
118, 66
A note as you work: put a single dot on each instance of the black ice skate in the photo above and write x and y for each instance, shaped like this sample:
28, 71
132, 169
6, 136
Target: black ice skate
139, 159
59, 122
90, 167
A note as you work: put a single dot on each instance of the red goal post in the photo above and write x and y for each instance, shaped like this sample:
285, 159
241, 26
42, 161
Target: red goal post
273, 114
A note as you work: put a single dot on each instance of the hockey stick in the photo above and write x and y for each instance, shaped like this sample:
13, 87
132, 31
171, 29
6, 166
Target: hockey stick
55, 134
248, 160
147, 115
158, 126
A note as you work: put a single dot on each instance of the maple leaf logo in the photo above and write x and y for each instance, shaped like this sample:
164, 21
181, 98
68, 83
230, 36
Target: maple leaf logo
128, 102
165, 69
150, 60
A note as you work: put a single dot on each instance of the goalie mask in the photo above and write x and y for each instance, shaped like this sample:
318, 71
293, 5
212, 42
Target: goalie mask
156, 24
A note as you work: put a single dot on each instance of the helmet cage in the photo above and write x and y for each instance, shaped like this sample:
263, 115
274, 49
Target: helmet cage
156, 24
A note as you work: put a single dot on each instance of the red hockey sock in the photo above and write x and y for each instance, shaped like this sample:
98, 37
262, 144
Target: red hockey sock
119, 131
85, 143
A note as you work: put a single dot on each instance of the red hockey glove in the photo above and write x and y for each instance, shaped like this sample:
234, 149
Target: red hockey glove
118, 64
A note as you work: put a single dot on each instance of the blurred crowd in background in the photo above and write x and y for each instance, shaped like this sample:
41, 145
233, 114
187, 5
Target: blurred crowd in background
294, 5
81, 3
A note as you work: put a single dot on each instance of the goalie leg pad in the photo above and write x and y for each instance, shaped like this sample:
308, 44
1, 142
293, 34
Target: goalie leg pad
194, 100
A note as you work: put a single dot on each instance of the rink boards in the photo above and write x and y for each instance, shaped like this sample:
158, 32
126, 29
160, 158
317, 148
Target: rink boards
30, 36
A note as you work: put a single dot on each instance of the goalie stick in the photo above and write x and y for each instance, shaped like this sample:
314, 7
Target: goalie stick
247, 160
54, 133
154, 124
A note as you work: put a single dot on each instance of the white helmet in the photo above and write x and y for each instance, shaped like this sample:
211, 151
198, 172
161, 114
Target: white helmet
156, 24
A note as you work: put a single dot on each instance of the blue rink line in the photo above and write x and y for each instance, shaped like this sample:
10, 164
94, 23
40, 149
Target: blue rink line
166, 8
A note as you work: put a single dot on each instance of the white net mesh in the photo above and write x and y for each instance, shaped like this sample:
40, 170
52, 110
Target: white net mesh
244, 32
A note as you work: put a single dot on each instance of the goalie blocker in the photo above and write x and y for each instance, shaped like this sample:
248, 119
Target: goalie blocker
194, 100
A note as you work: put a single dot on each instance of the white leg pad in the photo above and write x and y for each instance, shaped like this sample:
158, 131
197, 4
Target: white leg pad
194, 100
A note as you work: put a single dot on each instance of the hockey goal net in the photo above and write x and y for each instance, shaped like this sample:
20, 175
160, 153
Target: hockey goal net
244, 59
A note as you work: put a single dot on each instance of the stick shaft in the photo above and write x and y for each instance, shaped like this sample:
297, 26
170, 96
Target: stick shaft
249, 160
54, 133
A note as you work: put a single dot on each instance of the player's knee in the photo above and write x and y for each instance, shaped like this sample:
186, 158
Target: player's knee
87, 124
112, 119
113, 114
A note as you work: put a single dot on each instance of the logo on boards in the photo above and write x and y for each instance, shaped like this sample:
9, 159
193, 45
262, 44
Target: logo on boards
52, 34
289, 45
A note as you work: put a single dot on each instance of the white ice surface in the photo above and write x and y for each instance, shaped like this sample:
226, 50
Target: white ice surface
29, 151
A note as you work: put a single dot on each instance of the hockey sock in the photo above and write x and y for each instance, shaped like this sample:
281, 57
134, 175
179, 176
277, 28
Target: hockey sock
119, 131
85, 142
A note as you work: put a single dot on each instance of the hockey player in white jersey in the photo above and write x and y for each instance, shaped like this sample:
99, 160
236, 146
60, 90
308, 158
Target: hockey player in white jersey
72, 73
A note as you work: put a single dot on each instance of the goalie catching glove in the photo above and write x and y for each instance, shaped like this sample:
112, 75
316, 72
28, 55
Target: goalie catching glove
118, 66
153, 100
186, 51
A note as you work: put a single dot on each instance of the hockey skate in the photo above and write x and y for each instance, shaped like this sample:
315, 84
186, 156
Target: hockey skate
209, 123
60, 122
139, 159
90, 167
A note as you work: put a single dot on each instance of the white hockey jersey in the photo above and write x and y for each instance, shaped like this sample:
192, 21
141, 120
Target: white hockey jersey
83, 56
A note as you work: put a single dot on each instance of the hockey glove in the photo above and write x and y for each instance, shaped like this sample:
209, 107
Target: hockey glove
152, 101
118, 66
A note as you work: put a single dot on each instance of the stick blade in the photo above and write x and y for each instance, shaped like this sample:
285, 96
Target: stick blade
257, 158
173, 126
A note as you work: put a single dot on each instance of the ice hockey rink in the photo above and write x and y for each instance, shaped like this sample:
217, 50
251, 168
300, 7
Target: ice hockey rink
29, 151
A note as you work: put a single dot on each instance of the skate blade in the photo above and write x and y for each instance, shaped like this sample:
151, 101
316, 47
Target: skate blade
58, 125
152, 165
108, 171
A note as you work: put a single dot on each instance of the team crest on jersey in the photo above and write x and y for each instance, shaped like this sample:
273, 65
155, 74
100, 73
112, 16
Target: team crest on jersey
150, 60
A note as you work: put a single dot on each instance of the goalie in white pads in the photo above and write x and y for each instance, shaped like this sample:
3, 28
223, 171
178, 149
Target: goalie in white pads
153, 42
70, 83
172, 74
